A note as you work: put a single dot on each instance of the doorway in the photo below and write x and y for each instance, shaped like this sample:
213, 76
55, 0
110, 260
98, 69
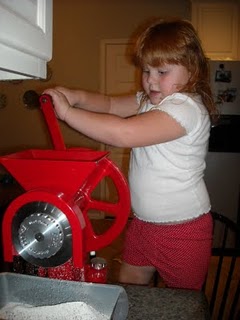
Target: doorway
118, 76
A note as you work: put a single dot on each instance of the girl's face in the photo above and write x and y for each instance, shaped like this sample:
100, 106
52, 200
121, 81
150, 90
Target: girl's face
160, 82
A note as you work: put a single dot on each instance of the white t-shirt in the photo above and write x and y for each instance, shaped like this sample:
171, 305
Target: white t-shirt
166, 180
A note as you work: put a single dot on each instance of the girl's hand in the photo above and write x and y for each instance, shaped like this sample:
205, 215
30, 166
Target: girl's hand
73, 96
60, 103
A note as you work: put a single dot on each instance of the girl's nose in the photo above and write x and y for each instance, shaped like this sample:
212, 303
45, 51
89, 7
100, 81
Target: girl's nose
151, 78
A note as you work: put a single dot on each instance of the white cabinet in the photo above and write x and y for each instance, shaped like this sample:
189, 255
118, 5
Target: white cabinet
25, 38
217, 23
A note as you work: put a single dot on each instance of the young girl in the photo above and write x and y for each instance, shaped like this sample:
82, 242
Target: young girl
167, 126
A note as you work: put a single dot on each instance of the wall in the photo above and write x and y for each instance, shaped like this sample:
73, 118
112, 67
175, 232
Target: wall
78, 28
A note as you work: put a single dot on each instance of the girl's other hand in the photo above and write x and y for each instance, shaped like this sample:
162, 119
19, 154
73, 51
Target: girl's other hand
60, 103
71, 95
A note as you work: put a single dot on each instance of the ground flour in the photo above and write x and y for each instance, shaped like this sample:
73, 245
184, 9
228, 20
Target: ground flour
70, 310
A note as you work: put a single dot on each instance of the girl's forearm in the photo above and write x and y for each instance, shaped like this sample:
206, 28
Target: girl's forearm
92, 101
122, 106
105, 128
86, 100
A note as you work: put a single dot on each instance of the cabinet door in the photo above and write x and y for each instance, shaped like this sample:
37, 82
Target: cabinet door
25, 38
217, 24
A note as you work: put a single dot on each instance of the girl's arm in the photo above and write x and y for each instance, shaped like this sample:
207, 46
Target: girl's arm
122, 106
145, 129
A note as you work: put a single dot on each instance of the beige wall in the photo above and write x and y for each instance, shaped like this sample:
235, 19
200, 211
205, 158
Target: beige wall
78, 28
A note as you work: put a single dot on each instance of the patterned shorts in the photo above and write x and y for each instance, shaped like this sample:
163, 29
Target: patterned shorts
180, 252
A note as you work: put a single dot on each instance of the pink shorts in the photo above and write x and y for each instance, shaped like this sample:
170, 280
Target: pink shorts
179, 252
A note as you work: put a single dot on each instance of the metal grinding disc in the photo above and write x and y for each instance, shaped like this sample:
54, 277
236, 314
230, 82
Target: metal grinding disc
42, 235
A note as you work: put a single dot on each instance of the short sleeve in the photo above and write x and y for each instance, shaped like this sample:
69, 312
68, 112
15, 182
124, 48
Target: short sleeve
183, 109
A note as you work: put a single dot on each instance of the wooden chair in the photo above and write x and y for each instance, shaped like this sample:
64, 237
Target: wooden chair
222, 286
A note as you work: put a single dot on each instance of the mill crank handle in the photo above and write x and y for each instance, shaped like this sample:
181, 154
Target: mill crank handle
52, 122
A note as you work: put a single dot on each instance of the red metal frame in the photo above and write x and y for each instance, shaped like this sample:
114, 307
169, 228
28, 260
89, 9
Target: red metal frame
66, 179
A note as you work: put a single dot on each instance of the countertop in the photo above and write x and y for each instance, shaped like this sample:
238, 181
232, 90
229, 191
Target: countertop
144, 303
147, 303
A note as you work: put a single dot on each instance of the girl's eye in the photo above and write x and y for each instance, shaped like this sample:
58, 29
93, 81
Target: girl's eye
145, 71
161, 72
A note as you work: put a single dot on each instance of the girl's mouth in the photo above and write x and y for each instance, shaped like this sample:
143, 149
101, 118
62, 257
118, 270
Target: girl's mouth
155, 96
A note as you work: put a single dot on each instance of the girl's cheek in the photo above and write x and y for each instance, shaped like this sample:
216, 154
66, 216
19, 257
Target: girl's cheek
145, 79
145, 86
